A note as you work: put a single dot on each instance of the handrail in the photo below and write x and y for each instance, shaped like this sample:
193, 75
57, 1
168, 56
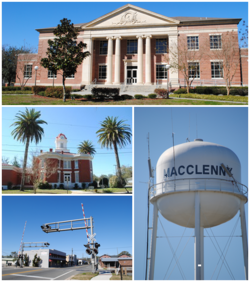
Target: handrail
207, 184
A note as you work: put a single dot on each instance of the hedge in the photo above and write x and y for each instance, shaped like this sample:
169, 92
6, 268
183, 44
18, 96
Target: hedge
152, 96
15, 88
105, 93
37, 89
139, 96
57, 92
126, 97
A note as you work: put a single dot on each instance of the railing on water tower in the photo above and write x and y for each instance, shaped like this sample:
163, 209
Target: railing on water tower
198, 184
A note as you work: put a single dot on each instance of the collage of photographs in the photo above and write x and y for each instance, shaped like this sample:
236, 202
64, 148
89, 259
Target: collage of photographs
126, 123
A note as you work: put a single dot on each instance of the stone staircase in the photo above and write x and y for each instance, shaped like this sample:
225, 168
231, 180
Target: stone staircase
136, 89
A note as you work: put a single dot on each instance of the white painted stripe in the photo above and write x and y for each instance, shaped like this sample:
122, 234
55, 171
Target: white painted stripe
62, 275
31, 276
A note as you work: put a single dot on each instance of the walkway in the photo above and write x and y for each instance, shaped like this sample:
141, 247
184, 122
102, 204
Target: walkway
105, 276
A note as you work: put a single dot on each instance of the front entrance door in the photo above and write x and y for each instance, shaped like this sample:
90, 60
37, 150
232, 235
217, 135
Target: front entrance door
131, 75
67, 180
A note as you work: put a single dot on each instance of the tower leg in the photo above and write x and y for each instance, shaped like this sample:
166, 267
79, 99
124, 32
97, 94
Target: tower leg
198, 242
244, 237
153, 244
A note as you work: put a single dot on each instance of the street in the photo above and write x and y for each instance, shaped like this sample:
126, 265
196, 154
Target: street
34, 273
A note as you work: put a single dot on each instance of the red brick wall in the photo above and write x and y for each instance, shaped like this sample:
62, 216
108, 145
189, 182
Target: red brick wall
244, 65
84, 171
10, 176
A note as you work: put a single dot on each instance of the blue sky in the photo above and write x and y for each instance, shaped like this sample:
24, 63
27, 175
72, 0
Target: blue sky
220, 125
112, 222
46, 14
78, 124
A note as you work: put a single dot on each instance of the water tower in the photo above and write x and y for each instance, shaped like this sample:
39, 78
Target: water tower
198, 185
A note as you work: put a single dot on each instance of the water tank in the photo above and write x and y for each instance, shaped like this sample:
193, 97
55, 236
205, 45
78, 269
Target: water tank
197, 166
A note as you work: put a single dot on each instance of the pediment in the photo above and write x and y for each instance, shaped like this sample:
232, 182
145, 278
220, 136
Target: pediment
130, 16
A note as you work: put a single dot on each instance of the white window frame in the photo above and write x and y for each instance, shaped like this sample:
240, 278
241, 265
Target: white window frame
219, 62
27, 72
136, 47
220, 47
52, 75
160, 64
59, 177
71, 77
101, 65
66, 164
157, 51
101, 48
77, 174
193, 49
76, 164
194, 62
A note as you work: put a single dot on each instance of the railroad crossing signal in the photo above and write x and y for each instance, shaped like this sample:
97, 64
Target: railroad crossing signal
91, 237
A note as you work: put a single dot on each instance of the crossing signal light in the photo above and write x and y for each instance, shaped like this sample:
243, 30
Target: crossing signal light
86, 246
97, 245
20, 256
95, 251
88, 251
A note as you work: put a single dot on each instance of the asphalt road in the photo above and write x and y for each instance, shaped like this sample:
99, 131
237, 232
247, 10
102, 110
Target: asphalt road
34, 273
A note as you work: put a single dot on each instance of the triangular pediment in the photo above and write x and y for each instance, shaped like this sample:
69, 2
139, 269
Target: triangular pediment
130, 15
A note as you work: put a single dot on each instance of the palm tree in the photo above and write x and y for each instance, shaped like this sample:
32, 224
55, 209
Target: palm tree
27, 129
114, 133
86, 147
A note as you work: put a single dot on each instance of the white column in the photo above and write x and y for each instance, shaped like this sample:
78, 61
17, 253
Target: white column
125, 72
198, 243
244, 237
148, 59
110, 57
153, 244
117, 60
139, 56
87, 63
173, 45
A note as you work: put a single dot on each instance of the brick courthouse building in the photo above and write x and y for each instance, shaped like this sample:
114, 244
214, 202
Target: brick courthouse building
131, 46
66, 168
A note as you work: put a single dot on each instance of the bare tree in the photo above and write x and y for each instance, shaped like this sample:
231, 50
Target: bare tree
185, 56
25, 67
41, 169
227, 56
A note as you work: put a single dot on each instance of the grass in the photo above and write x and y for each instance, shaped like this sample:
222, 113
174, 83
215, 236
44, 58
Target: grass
213, 97
118, 277
106, 190
36, 100
84, 276
18, 92
38, 191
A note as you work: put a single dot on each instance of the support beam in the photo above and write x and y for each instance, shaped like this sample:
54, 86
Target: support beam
198, 242
153, 243
110, 60
244, 237
140, 60
148, 59
87, 63
117, 60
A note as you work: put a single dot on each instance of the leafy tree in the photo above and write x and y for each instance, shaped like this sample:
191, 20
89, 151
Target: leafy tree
126, 171
86, 147
9, 61
95, 177
115, 182
5, 160
14, 254
27, 129
26, 260
113, 134
64, 53
15, 162
36, 261
103, 180
124, 253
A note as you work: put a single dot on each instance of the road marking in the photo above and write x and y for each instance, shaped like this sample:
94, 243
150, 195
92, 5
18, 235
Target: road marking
62, 275
21, 272
32, 276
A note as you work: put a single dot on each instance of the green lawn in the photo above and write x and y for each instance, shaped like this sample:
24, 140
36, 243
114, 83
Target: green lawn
38, 191
36, 100
84, 276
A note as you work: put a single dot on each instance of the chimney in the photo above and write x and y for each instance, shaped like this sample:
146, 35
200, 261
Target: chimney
51, 150
41, 151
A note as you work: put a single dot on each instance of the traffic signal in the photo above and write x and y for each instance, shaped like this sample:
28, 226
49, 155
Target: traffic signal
95, 251
97, 245
20, 256
86, 246
88, 251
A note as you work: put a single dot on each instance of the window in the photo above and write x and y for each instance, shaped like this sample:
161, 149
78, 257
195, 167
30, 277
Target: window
132, 46
216, 69
193, 42
42, 176
161, 72
61, 145
42, 164
76, 164
52, 74
27, 71
66, 164
104, 47
76, 176
59, 162
58, 177
102, 71
194, 70
71, 76
215, 41
161, 46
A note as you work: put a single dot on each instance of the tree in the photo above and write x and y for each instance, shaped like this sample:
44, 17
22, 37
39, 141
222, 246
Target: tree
16, 163
227, 56
26, 260
5, 160
9, 61
64, 53
184, 57
86, 147
124, 253
14, 254
27, 129
114, 134
36, 261
95, 177
126, 171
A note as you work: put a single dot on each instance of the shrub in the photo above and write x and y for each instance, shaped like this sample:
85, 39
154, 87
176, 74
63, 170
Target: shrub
9, 185
75, 90
44, 185
152, 96
104, 181
57, 92
37, 89
162, 92
83, 185
126, 97
61, 186
88, 97
42, 93
105, 93
216, 90
55, 186
94, 183
76, 186
109, 190
11, 88
115, 183
139, 96
181, 91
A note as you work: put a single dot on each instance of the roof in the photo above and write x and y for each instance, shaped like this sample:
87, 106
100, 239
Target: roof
115, 259
61, 134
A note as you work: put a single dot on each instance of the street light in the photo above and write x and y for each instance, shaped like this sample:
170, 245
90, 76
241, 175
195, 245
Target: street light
36, 68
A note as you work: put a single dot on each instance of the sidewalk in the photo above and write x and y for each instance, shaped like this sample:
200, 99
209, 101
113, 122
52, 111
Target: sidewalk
102, 277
